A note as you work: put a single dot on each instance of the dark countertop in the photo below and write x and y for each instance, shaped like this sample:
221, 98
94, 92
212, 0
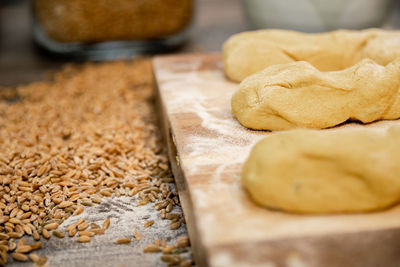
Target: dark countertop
22, 62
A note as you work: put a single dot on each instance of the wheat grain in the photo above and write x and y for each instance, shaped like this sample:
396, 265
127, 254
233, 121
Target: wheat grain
151, 248
83, 233
137, 235
148, 223
182, 241
34, 257
4, 236
99, 231
175, 225
58, 234
46, 234
36, 245
172, 259
123, 240
106, 223
12, 246
23, 249
19, 256
51, 226
186, 263
83, 226
168, 249
84, 239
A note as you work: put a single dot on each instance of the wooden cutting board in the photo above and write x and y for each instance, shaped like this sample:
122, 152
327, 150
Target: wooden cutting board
207, 148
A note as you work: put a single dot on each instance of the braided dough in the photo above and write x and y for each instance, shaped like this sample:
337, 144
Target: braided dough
310, 171
249, 52
297, 95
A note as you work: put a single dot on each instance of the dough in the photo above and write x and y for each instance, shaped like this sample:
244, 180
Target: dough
297, 95
310, 171
249, 52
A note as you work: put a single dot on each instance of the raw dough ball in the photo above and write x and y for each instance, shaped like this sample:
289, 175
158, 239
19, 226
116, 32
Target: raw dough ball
298, 95
310, 171
249, 52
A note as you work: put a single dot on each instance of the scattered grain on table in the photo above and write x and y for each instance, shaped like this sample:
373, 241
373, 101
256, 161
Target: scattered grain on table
148, 223
151, 248
19, 256
183, 241
137, 235
168, 249
175, 225
89, 133
106, 223
123, 240
84, 239
58, 234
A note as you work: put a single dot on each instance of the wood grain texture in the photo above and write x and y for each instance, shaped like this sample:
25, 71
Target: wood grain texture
207, 148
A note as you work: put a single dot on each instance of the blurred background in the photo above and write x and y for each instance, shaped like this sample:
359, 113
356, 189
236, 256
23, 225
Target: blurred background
39, 36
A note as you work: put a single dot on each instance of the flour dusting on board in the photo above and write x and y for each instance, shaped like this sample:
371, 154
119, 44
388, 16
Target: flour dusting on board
220, 139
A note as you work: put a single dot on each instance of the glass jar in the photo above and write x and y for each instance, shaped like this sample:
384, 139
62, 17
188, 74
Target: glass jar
110, 29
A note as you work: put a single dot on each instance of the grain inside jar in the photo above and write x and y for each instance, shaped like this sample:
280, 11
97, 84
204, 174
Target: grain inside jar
88, 21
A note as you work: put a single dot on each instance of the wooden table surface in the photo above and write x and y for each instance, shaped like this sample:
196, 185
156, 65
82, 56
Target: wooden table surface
22, 62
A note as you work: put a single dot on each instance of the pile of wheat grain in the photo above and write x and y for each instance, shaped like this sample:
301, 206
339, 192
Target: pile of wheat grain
65, 144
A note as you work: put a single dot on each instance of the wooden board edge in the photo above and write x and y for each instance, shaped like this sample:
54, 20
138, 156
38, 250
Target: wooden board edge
360, 249
181, 184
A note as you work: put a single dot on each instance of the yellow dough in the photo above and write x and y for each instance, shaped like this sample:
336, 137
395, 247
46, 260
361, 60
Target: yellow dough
297, 95
249, 52
310, 171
